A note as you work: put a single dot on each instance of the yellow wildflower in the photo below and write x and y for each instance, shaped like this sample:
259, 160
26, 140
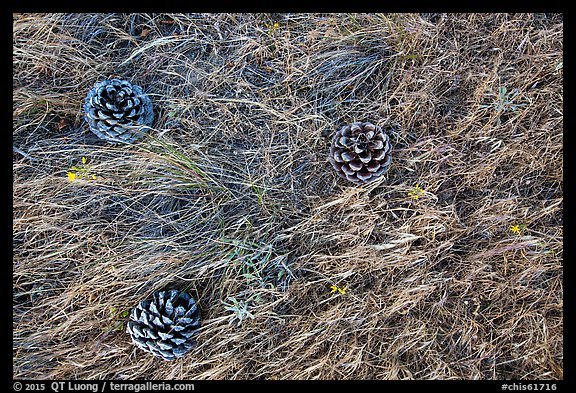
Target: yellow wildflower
272, 27
515, 229
81, 171
416, 192
341, 290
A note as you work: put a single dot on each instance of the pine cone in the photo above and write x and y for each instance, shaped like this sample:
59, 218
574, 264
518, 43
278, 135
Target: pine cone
118, 111
165, 325
360, 152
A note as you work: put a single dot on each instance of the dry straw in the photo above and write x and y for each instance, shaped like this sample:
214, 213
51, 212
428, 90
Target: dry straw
230, 196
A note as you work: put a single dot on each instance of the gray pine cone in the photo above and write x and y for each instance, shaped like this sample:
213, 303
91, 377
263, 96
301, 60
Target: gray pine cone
118, 111
165, 325
360, 152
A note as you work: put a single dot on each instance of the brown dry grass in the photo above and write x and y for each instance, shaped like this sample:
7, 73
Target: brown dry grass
236, 170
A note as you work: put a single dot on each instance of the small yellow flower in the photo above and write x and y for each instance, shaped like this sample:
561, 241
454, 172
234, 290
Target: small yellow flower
416, 192
81, 171
341, 290
515, 229
272, 27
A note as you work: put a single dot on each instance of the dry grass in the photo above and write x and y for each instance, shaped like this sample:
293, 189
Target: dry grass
235, 172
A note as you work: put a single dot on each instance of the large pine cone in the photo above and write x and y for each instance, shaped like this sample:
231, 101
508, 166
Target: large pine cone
360, 152
165, 325
118, 111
